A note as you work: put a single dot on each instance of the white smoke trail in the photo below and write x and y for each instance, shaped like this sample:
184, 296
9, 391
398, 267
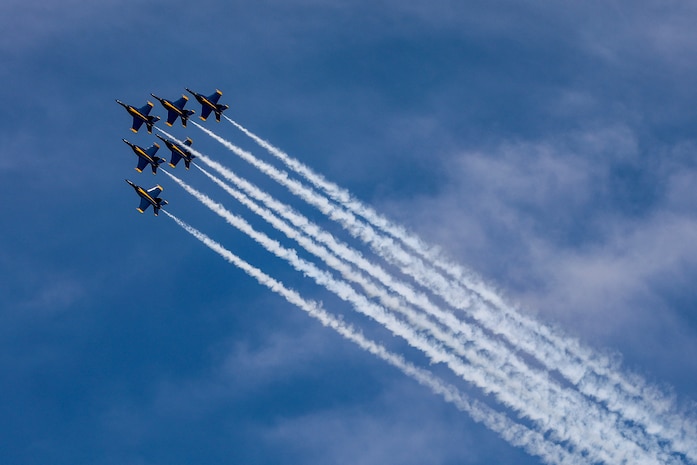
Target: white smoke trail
486, 354
590, 434
516, 434
364, 231
595, 375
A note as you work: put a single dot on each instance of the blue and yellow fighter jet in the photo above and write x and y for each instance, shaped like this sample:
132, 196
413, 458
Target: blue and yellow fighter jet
146, 156
140, 116
175, 109
149, 197
179, 151
209, 104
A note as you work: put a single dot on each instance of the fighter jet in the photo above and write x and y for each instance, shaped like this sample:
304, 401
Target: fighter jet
146, 156
140, 116
175, 109
149, 197
179, 151
209, 104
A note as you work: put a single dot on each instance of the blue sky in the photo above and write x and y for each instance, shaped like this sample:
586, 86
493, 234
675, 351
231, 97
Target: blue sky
549, 147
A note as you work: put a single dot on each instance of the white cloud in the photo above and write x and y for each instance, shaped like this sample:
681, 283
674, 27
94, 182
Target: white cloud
545, 221
400, 426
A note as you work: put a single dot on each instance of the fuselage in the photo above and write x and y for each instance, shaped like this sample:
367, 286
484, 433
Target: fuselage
170, 107
141, 153
143, 194
202, 99
184, 153
133, 111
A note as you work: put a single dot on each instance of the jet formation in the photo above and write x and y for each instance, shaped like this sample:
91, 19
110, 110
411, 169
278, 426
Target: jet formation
180, 151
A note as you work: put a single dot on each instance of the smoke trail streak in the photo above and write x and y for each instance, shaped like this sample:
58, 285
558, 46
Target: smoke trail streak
594, 375
484, 353
656, 402
591, 435
629, 430
514, 433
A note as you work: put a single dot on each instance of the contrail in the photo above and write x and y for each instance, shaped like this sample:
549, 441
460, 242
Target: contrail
516, 434
591, 435
594, 375
447, 292
485, 354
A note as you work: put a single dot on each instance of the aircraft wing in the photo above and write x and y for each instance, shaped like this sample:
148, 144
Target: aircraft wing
155, 191
142, 163
215, 97
175, 158
144, 204
152, 150
145, 109
171, 117
205, 112
137, 123
181, 102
